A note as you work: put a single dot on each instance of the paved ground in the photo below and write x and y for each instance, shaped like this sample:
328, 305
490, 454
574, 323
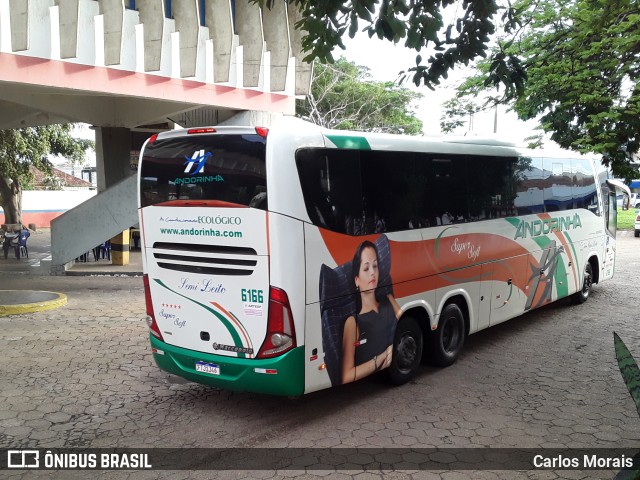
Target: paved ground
83, 376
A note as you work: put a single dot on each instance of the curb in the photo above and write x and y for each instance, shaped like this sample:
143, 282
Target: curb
59, 300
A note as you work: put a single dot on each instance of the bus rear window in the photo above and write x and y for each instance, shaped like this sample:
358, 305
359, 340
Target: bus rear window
227, 168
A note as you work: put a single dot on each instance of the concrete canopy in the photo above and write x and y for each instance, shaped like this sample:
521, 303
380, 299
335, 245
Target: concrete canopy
97, 62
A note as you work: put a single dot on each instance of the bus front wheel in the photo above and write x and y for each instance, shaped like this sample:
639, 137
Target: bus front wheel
407, 351
587, 281
447, 341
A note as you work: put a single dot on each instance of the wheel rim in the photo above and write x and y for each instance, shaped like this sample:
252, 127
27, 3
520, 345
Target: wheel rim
450, 335
588, 281
406, 352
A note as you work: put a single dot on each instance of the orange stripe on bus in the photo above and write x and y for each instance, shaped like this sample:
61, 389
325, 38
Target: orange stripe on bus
234, 320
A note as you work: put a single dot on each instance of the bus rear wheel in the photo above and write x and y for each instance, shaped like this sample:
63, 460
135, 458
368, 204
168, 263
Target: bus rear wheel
447, 341
587, 281
407, 351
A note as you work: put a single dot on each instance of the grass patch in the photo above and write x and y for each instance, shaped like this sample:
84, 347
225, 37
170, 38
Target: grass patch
626, 219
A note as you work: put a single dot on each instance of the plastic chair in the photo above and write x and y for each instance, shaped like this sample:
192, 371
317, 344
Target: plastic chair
104, 250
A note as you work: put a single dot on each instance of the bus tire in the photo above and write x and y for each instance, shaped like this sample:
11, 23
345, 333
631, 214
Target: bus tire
407, 351
583, 295
447, 340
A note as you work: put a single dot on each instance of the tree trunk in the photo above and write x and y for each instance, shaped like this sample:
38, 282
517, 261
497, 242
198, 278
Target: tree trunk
11, 193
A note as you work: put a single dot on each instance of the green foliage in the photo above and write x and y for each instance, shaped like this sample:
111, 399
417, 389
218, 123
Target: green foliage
626, 219
25, 147
631, 376
575, 67
420, 25
629, 369
458, 110
343, 97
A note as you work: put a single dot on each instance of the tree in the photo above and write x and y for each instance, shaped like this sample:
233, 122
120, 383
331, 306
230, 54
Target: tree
343, 96
582, 66
420, 24
25, 147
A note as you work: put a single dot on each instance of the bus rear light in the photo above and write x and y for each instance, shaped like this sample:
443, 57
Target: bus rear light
151, 319
281, 335
201, 130
262, 131
152, 138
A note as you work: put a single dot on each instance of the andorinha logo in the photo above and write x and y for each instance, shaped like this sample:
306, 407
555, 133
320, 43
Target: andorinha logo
545, 226
197, 163
199, 158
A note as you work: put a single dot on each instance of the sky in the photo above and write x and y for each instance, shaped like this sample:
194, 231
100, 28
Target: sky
385, 60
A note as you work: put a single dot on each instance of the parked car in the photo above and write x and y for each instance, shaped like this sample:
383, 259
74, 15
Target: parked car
635, 200
637, 224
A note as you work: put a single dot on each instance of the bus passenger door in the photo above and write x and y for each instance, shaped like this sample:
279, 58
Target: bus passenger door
547, 276
484, 306
507, 281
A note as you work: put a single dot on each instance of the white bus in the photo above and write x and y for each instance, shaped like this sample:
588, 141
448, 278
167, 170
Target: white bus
289, 260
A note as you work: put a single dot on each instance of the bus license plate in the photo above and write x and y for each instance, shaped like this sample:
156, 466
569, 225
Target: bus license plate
210, 368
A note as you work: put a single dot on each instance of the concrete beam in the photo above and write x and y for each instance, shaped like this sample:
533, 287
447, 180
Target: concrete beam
40, 105
276, 35
251, 36
152, 20
202, 117
303, 69
68, 17
218, 18
187, 18
14, 115
19, 21
113, 13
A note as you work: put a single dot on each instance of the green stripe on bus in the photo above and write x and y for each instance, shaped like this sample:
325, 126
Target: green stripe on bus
513, 221
560, 274
573, 249
349, 142
543, 242
237, 342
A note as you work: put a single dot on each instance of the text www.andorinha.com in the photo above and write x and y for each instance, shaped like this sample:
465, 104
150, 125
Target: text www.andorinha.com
201, 232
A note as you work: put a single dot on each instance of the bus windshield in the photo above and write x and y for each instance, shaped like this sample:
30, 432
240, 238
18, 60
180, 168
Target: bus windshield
227, 168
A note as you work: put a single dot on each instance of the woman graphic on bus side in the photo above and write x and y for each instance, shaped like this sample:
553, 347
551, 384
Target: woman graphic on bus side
367, 340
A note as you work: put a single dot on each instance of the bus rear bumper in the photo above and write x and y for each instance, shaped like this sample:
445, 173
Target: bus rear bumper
283, 375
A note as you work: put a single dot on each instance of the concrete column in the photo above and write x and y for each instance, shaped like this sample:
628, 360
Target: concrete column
113, 151
120, 248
